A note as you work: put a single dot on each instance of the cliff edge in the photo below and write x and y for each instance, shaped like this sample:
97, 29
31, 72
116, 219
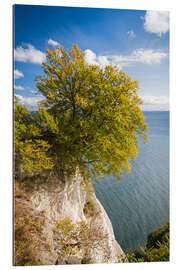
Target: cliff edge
75, 227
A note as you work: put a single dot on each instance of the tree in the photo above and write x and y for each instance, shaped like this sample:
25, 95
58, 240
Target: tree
90, 116
97, 111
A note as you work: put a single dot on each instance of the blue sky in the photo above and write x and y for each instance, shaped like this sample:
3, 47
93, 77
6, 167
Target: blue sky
135, 40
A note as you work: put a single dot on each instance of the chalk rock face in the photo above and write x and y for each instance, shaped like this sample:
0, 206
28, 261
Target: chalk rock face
109, 251
58, 198
68, 198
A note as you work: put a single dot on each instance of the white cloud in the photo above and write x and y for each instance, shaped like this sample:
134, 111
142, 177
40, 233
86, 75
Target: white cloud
18, 74
18, 87
155, 103
156, 22
148, 56
29, 101
29, 54
145, 56
103, 60
90, 57
53, 42
131, 34
33, 92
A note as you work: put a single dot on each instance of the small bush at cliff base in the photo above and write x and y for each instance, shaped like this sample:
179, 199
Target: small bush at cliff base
156, 248
90, 117
158, 237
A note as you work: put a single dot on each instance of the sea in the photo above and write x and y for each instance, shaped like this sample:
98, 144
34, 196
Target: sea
139, 202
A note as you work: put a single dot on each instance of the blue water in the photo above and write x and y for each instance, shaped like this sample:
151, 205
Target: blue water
139, 202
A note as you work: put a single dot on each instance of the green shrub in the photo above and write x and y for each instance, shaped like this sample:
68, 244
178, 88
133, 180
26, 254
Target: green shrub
156, 248
78, 239
158, 236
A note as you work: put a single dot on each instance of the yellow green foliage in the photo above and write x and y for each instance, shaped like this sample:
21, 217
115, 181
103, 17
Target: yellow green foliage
72, 236
93, 115
30, 147
90, 117
78, 238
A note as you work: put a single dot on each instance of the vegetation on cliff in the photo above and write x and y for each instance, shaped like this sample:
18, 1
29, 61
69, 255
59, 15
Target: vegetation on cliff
90, 117
28, 227
39, 240
156, 248
79, 239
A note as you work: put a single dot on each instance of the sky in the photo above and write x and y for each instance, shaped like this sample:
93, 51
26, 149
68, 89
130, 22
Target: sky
136, 41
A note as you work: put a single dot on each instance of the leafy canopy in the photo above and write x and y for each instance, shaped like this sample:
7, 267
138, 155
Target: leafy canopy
30, 147
90, 116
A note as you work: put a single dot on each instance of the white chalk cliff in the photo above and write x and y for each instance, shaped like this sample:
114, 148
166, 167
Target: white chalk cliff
70, 199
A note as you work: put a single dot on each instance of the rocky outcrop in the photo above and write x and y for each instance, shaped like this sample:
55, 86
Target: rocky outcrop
71, 200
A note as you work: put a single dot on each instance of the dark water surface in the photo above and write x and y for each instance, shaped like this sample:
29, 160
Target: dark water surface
139, 202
